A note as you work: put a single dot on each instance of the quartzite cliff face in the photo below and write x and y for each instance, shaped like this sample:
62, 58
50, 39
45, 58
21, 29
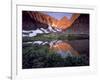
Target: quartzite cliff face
33, 20
81, 24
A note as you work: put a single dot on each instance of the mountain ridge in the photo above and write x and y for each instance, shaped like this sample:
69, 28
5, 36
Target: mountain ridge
40, 19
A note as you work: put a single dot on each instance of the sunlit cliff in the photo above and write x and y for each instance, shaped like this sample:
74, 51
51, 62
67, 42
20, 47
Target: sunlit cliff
42, 20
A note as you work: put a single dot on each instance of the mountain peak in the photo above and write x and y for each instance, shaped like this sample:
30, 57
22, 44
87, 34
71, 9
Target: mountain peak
64, 18
63, 23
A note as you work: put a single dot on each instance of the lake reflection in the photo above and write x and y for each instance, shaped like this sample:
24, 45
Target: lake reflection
55, 53
60, 47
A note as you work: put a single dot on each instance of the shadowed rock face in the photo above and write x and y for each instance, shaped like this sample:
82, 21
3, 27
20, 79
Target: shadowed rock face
30, 23
33, 20
81, 24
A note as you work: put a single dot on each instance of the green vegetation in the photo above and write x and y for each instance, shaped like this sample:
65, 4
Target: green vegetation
56, 36
38, 56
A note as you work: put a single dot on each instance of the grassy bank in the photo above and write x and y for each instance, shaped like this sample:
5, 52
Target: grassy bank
56, 36
36, 56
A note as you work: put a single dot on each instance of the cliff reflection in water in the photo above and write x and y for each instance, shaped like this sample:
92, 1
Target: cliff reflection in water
57, 53
63, 48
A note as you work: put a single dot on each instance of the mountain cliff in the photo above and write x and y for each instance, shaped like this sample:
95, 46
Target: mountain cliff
63, 23
80, 25
33, 20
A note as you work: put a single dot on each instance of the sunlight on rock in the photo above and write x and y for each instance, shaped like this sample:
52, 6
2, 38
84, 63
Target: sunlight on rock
63, 48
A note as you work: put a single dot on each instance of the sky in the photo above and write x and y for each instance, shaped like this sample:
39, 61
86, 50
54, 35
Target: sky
59, 15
